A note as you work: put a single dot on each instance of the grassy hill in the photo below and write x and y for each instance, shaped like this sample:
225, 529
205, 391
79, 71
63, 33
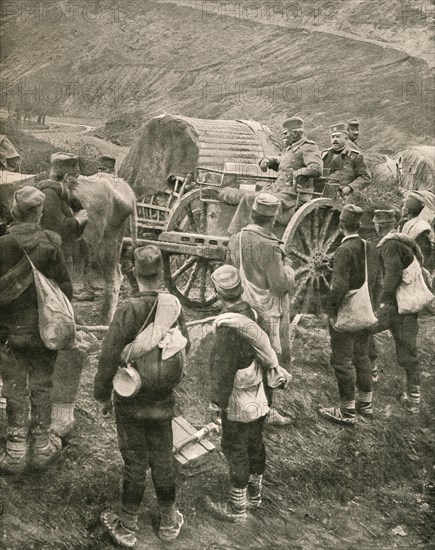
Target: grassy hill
152, 57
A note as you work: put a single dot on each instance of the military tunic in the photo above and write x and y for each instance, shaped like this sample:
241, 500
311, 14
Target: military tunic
348, 167
301, 163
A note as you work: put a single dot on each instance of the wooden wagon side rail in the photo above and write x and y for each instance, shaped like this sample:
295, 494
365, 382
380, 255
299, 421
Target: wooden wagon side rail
202, 246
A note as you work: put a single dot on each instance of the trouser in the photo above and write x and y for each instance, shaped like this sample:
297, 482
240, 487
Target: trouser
352, 366
66, 375
243, 446
145, 443
373, 354
404, 329
27, 379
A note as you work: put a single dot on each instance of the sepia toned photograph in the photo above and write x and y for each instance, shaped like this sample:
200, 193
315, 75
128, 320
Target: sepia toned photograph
217, 274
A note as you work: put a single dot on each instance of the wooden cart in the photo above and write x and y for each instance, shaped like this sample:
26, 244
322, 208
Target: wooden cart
190, 225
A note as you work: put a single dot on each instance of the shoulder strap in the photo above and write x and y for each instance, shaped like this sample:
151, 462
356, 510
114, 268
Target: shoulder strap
145, 324
365, 261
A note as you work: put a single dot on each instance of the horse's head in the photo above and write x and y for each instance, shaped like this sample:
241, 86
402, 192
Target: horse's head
389, 171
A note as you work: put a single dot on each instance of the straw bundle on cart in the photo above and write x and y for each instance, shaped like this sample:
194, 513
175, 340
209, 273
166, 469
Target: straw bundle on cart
171, 144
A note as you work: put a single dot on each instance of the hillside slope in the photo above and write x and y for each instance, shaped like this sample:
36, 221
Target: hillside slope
164, 57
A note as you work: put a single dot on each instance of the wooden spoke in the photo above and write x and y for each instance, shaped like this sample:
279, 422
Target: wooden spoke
191, 280
184, 267
308, 295
303, 257
325, 281
327, 244
315, 227
203, 282
300, 288
301, 269
303, 239
325, 226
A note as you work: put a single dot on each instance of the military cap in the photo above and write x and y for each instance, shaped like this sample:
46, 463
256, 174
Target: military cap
415, 196
148, 260
266, 204
26, 198
106, 161
64, 163
293, 123
354, 123
339, 128
384, 216
351, 213
226, 279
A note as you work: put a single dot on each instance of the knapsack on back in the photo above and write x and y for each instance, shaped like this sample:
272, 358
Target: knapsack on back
155, 360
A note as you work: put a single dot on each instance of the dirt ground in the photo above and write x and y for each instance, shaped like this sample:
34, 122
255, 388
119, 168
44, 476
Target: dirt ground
325, 487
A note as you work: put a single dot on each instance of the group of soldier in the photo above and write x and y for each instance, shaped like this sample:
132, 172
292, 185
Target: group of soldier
255, 287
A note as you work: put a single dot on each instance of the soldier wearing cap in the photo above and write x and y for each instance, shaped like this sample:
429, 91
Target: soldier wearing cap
238, 390
349, 350
345, 164
26, 365
352, 130
396, 253
298, 167
106, 164
266, 276
63, 212
419, 228
143, 420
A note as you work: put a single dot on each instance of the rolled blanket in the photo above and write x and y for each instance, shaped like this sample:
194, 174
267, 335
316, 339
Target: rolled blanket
277, 377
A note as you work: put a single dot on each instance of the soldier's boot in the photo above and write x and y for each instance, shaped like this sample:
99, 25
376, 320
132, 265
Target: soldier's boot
254, 490
364, 405
411, 399
171, 522
121, 527
62, 418
44, 449
14, 458
233, 511
375, 372
276, 419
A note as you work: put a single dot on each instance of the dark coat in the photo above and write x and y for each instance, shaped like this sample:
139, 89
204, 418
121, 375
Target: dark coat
125, 326
19, 319
395, 256
263, 259
349, 272
230, 353
58, 212
348, 167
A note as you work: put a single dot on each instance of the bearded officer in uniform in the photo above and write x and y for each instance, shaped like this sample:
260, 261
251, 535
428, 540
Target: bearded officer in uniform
345, 164
297, 168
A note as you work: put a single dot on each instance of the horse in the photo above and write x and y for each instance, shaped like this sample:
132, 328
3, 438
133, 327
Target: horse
110, 203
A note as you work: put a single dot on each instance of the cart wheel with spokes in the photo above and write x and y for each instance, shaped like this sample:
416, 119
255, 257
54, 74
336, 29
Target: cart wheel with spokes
187, 276
310, 240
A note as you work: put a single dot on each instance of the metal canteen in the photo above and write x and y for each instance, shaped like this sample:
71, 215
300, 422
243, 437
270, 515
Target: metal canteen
126, 381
